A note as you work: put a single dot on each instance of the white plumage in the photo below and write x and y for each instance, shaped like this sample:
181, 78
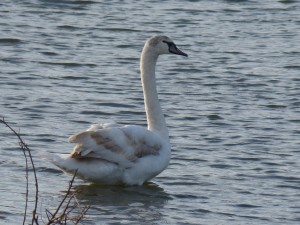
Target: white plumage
131, 155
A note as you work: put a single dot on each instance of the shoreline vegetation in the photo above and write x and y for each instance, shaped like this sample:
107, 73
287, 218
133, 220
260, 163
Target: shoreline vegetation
68, 210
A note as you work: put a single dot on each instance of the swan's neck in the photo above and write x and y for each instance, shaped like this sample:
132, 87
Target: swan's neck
155, 117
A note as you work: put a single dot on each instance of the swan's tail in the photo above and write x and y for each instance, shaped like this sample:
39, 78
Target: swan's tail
95, 170
54, 158
60, 160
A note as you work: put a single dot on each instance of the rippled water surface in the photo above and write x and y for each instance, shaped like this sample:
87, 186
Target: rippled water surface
232, 107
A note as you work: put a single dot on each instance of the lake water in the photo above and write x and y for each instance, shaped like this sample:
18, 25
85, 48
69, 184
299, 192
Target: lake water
232, 107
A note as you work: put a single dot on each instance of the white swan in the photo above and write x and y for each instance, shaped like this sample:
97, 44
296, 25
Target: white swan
131, 155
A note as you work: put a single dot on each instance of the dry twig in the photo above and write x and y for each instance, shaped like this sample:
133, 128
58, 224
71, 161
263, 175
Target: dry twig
62, 214
69, 203
27, 153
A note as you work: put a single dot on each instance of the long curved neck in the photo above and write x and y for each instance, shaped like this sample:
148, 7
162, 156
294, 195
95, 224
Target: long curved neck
155, 118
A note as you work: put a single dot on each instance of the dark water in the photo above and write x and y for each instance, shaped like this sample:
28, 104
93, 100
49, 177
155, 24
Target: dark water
232, 107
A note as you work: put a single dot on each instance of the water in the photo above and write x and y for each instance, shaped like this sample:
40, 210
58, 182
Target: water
232, 107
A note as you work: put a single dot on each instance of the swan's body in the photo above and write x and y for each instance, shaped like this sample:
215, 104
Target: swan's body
131, 155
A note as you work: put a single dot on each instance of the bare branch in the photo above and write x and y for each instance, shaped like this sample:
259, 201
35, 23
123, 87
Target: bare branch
62, 215
67, 205
65, 197
25, 150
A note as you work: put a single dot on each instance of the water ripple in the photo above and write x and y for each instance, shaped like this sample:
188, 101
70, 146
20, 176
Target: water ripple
232, 107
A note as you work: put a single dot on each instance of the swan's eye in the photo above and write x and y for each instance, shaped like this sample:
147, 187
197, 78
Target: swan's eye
169, 43
171, 46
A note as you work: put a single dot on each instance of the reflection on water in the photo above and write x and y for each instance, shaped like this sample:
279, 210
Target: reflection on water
132, 205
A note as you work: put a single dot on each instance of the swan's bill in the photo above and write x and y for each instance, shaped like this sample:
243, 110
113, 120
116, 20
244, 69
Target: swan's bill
173, 49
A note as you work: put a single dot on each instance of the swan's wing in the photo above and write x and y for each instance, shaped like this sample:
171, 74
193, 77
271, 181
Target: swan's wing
121, 145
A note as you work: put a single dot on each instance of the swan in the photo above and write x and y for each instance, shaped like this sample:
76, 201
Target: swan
130, 154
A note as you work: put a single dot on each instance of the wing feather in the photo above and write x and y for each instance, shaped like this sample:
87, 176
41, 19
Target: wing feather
122, 145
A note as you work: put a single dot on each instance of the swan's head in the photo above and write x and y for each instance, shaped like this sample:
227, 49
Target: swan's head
163, 45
